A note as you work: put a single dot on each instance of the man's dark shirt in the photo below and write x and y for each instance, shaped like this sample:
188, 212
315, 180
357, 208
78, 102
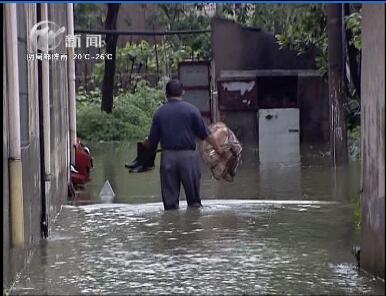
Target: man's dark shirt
176, 125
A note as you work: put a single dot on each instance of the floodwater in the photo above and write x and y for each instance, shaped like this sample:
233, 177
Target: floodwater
279, 229
313, 179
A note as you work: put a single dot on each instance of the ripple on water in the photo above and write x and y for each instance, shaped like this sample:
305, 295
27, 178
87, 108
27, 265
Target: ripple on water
227, 247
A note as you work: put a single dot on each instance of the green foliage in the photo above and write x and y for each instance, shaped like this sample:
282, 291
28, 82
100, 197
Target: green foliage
354, 142
305, 28
90, 97
130, 119
239, 12
87, 16
271, 17
353, 110
137, 59
353, 23
175, 17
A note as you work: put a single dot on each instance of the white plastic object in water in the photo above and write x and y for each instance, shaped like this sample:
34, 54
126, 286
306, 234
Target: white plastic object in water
107, 193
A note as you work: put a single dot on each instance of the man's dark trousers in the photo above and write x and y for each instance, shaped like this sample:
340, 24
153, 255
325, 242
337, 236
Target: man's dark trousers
180, 166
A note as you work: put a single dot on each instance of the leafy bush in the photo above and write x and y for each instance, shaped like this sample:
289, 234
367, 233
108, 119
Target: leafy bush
130, 119
354, 142
353, 23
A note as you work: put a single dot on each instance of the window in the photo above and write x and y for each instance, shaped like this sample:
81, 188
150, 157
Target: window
277, 92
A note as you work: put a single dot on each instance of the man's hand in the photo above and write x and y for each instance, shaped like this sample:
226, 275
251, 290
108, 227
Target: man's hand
146, 143
219, 150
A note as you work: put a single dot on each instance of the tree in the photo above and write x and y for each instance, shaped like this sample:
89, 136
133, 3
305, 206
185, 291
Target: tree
353, 41
177, 17
354, 47
240, 12
109, 71
87, 16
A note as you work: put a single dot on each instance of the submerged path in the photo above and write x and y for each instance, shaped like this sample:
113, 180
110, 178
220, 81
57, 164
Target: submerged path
261, 234
227, 247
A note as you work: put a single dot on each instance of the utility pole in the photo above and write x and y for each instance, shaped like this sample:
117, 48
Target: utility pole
337, 98
111, 45
219, 10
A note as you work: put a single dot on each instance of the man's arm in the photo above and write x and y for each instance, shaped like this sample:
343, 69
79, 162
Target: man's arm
203, 133
151, 142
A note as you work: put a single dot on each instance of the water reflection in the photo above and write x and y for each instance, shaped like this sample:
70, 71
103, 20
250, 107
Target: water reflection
312, 179
175, 230
280, 181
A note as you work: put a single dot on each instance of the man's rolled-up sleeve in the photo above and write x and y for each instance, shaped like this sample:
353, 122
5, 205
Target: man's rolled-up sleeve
202, 131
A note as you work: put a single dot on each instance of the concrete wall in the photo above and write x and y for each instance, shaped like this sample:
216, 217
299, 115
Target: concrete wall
235, 47
373, 140
59, 121
29, 106
15, 258
314, 111
6, 211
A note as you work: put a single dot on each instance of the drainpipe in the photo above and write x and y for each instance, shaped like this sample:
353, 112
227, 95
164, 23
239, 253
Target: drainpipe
15, 164
46, 114
71, 84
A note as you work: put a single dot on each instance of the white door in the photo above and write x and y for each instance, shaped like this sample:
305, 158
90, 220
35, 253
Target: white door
279, 135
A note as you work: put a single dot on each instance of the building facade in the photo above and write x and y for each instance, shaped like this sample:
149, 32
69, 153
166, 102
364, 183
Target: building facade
274, 78
37, 125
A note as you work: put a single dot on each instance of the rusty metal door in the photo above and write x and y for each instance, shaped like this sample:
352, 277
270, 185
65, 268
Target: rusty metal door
195, 76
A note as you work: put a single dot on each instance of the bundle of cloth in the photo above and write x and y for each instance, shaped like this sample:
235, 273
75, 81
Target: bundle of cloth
222, 167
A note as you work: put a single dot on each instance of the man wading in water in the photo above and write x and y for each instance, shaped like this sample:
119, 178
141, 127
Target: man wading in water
176, 125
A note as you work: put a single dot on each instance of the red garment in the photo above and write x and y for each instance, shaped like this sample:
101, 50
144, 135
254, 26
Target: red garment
222, 168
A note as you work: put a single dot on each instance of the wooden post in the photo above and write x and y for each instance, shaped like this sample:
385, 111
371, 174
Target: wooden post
337, 99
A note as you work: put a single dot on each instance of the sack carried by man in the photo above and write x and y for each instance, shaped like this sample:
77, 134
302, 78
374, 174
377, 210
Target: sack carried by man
224, 166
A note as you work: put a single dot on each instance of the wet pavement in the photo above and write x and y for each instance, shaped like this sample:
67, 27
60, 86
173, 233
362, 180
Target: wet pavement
282, 229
